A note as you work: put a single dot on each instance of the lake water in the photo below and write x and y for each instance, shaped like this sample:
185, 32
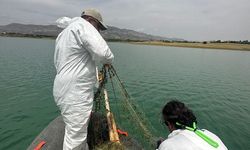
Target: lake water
214, 83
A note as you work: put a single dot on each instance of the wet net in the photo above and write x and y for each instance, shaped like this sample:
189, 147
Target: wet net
135, 131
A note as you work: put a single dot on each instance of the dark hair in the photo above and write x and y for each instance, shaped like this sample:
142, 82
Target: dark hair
175, 111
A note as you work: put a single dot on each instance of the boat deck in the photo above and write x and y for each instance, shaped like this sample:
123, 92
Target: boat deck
98, 136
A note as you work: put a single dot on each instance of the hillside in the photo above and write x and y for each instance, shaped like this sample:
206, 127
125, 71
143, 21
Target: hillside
113, 33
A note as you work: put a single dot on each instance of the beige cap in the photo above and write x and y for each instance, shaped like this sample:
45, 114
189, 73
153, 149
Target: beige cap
95, 14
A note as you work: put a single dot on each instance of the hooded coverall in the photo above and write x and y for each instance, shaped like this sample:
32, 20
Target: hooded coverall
188, 140
78, 48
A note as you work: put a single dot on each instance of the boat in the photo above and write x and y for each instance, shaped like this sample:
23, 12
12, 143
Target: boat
103, 133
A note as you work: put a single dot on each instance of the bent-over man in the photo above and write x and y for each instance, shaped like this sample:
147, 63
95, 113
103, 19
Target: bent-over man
78, 48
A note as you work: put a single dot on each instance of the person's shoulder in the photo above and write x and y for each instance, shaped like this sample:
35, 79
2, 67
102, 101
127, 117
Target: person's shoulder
166, 144
211, 134
216, 138
82, 25
188, 140
75, 22
171, 142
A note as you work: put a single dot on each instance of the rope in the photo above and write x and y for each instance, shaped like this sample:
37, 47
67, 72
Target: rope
122, 86
116, 100
135, 115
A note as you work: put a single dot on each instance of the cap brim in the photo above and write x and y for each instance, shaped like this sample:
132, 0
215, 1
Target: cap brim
103, 26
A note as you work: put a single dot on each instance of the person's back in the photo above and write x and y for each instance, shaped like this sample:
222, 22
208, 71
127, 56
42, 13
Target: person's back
182, 139
184, 133
71, 57
77, 47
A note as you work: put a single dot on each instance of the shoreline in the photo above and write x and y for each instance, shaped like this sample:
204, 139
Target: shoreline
223, 46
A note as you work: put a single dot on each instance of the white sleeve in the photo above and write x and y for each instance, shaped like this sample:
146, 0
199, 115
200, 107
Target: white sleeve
96, 45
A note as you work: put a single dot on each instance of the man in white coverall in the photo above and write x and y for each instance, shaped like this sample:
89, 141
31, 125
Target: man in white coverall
184, 134
78, 48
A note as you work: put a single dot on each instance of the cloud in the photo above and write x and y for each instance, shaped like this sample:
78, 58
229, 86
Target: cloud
192, 19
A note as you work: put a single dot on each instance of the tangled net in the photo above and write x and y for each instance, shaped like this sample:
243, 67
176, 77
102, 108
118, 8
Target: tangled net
128, 116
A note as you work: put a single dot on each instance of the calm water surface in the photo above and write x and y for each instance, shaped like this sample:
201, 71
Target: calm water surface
214, 83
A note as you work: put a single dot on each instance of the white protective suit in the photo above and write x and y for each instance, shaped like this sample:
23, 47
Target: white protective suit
78, 47
188, 140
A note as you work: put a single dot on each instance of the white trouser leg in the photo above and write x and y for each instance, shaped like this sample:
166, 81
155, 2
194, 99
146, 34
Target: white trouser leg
74, 97
76, 118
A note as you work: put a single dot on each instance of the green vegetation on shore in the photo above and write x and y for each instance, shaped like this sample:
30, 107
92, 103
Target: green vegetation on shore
209, 45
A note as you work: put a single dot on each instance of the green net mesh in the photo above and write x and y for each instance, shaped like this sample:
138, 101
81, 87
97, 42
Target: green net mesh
128, 116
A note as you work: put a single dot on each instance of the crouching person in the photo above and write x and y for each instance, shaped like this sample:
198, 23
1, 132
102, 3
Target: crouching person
184, 134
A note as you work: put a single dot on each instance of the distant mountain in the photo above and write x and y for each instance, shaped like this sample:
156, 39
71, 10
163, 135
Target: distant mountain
43, 30
113, 33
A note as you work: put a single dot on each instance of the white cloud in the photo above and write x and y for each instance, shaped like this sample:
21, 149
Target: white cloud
192, 19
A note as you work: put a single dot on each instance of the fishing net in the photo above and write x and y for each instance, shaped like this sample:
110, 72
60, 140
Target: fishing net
128, 116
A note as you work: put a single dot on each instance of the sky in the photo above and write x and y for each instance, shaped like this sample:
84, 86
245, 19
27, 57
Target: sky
188, 19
